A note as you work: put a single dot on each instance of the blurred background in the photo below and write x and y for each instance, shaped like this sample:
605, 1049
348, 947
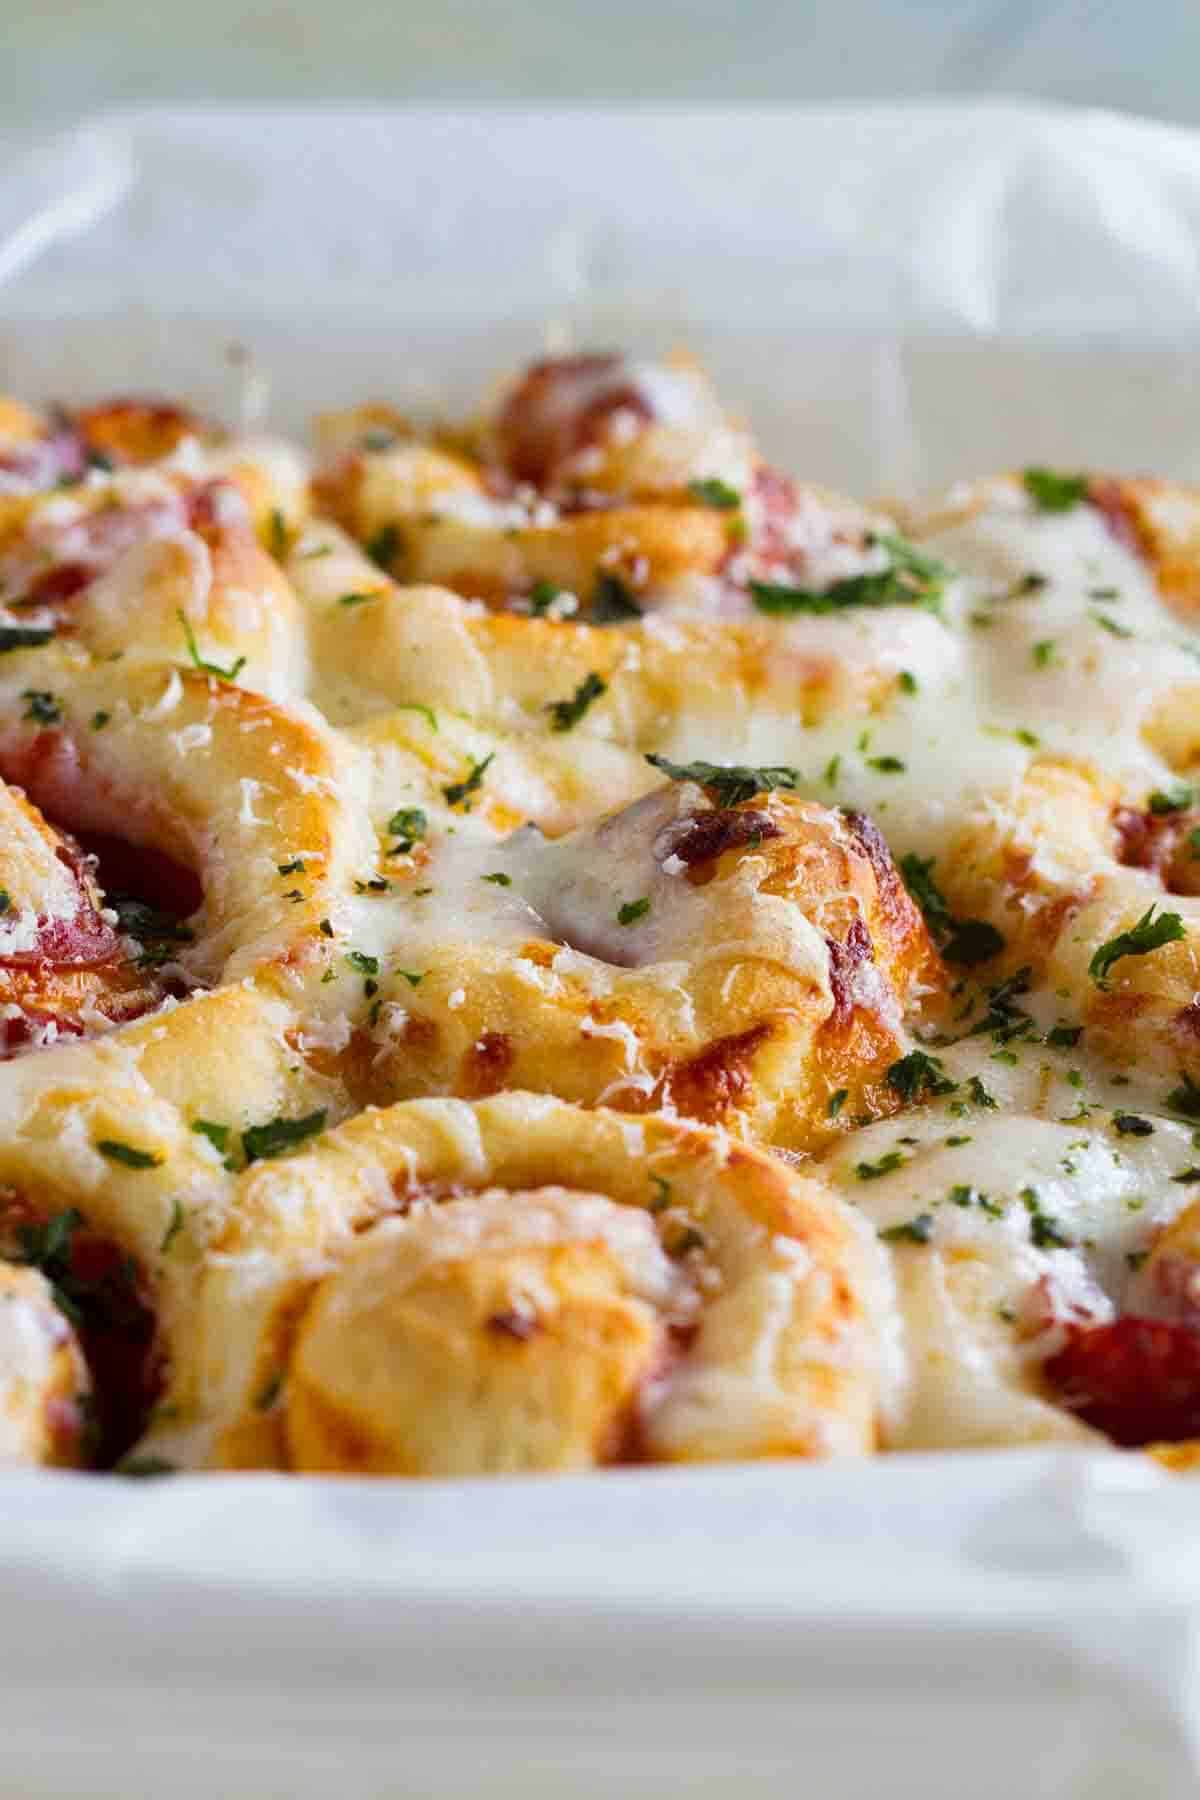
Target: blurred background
61, 57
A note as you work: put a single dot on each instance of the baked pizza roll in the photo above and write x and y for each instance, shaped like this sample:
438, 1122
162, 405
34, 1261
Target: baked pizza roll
118, 1163
725, 950
519, 1284
596, 486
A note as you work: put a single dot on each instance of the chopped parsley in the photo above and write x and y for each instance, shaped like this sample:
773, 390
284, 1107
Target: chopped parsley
413, 979
23, 637
886, 765
144, 1468
1187, 1176
1131, 1125
280, 1135
498, 878
917, 1075
1052, 492
1045, 1231
910, 578
279, 534
956, 1139
325, 927
174, 1227
979, 1094
1043, 652
662, 1194
199, 662
295, 867
892, 1160
566, 713
384, 547
613, 602
715, 493
1109, 624
542, 596
100, 720
1150, 933
408, 824
731, 782
633, 910
217, 1135
1064, 1036
1173, 800
426, 712
128, 1155
964, 942
356, 599
830, 774
366, 965
5, 900
1185, 1098
43, 708
907, 681
458, 791
913, 1231
837, 1100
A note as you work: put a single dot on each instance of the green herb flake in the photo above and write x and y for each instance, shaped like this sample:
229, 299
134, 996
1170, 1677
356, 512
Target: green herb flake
1173, 800
910, 578
661, 1198
144, 1468
1185, 1099
384, 547
1132, 1125
23, 637
1053, 492
886, 1165
279, 534
277, 1136
1064, 1036
128, 1155
633, 910
1109, 624
356, 599
43, 708
5, 900
460, 791
886, 765
199, 662
837, 1100
715, 493
1188, 1176
174, 1227
731, 782
613, 602
566, 713
913, 1231
412, 978
366, 965
217, 1135
955, 1140
830, 774
1043, 652
979, 1094
1150, 933
907, 682
918, 1075
100, 720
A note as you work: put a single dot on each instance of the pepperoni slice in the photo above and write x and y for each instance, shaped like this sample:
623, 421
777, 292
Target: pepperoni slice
561, 406
1137, 1380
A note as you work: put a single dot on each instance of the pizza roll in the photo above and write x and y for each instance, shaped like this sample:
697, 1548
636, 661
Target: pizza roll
741, 962
239, 794
117, 1169
559, 1288
596, 486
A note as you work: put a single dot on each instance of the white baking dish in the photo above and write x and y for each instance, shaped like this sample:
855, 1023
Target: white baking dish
894, 295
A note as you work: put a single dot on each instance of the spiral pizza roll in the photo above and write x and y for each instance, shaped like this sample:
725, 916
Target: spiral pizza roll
741, 962
239, 794
118, 1164
559, 1288
597, 486
63, 968
668, 683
